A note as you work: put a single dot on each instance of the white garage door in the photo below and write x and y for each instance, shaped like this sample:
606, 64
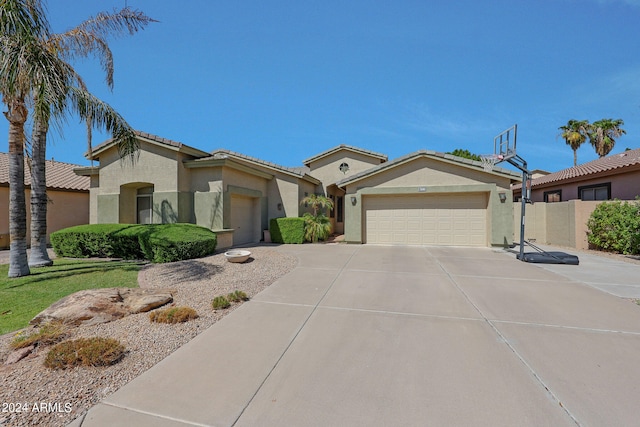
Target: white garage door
451, 219
242, 220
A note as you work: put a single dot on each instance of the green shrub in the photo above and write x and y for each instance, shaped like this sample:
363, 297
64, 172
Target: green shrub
173, 315
237, 296
86, 352
153, 242
287, 230
220, 303
615, 226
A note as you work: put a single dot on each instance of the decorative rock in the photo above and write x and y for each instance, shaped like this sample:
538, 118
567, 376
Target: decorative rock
19, 354
95, 306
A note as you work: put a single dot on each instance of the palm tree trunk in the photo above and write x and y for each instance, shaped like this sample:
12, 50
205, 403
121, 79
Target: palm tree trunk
38, 256
575, 158
18, 265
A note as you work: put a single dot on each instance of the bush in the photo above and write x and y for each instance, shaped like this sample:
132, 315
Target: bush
287, 230
153, 242
615, 226
173, 315
316, 227
220, 303
47, 334
84, 352
237, 296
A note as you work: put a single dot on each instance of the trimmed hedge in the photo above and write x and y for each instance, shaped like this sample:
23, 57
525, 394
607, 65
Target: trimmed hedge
153, 242
287, 230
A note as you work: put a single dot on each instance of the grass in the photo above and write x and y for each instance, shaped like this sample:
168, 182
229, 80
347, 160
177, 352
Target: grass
84, 352
47, 334
173, 315
21, 299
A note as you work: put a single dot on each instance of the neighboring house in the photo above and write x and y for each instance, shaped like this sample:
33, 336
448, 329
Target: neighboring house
68, 196
612, 177
422, 198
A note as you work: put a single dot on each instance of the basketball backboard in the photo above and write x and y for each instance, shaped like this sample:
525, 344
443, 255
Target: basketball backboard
504, 144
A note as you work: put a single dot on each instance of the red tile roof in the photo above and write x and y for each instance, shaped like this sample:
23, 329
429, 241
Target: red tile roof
614, 162
60, 176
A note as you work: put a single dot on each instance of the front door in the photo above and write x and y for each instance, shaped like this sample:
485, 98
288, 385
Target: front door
144, 210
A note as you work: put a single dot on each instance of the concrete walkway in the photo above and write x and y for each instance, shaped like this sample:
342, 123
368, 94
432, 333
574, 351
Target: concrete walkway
406, 336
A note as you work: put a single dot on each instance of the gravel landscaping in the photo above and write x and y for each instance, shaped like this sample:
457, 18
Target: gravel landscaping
31, 394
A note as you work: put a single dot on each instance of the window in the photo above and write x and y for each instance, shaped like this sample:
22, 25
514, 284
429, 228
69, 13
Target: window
595, 192
332, 212
339, 209
553, 196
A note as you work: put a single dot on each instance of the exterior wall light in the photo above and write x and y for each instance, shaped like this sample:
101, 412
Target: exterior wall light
279, 206
354, 200
503, 197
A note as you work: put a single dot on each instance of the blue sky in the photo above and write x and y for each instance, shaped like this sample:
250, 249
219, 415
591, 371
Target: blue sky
284, 80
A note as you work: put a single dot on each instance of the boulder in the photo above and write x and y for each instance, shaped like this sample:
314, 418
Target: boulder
95, 306
18, 355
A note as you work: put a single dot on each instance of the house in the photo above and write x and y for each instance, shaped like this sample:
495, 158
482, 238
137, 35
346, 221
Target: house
422, 198
68, 196
612, 177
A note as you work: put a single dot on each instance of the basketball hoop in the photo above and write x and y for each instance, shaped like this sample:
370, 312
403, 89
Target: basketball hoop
490, 160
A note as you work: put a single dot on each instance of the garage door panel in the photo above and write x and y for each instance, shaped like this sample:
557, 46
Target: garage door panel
458, 219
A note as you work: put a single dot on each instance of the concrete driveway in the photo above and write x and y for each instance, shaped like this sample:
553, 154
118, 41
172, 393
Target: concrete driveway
403, 336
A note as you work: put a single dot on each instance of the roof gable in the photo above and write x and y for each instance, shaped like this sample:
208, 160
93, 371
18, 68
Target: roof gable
222, 154
343, 147
153, 139
447, 158
59, 175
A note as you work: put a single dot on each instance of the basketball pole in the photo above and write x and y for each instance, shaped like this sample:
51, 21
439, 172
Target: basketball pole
524, 197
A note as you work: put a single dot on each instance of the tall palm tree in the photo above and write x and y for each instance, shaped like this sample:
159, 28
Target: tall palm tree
603, 134
28, 74
86, 39
575, 134
33, 76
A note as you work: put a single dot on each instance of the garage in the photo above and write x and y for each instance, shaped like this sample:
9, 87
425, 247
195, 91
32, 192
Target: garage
458, 219
243, 216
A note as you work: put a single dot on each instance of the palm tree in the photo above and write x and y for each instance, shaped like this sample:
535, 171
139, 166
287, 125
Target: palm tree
83, 40
603, 134
317, 226
575, 134
317, 202
32, 72
28, 73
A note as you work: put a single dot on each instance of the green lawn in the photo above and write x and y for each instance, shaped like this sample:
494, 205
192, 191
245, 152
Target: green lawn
22, 298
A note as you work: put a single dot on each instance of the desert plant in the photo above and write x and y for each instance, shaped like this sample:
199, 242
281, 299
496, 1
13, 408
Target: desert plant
46, 334
173, 315
615, 226
220, 303
316, 227
237, 296
84, 352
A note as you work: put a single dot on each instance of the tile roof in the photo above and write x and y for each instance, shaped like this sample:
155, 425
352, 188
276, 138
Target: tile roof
612, 163
219, 153
428, 153
380, 156
60, 175
150, 137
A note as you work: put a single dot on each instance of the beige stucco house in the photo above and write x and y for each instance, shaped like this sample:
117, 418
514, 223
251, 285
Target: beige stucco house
67, 192
424, 198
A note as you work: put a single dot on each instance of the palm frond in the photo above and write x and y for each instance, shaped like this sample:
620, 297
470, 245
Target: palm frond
101, 115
